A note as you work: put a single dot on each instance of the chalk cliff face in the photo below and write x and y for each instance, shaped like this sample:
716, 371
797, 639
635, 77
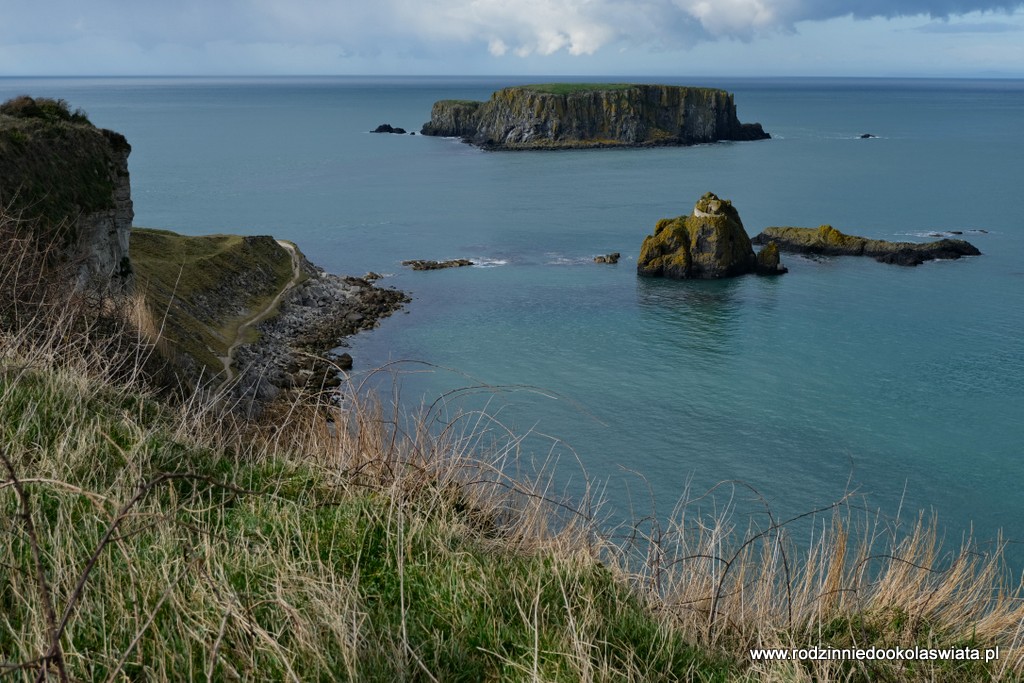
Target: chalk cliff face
72, 180
577, 116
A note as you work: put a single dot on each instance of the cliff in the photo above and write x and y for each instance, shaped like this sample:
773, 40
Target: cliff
828, 241
69, 180
709, 243
568, 116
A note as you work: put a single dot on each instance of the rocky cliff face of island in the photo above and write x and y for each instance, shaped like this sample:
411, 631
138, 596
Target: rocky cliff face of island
566, 116
828, 241
70, 180
709, 243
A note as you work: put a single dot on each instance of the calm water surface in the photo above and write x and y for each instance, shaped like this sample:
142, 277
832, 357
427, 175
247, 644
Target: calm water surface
904, 384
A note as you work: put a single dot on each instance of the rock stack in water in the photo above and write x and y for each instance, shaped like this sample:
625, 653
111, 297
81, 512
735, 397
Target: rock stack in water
709, 243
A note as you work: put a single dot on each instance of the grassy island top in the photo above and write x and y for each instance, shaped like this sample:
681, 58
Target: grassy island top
569, 88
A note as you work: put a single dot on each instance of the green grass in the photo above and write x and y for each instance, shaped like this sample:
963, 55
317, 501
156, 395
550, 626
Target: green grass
570, 88
261, 564
34, 151
143, 538
199, 289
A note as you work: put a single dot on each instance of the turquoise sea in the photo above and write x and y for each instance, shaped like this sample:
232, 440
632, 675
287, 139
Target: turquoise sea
905, 385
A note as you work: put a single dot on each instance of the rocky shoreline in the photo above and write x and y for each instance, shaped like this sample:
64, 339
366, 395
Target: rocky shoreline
294, 349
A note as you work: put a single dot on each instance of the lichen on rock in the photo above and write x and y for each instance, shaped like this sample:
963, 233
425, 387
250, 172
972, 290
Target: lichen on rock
709, 243
828, 241
768, 261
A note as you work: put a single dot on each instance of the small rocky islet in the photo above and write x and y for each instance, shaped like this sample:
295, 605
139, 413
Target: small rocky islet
426, 264
827, 241
592, 115
711, 243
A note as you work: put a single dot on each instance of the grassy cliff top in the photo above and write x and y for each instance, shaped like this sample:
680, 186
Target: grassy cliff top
54, 164
204, 287
569, 88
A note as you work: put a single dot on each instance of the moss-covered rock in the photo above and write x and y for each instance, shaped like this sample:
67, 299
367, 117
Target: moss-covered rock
573, 115
828, 241
768, 261
709, 243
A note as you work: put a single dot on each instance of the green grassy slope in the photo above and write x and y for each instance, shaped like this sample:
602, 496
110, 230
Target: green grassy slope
199, 289
319, 558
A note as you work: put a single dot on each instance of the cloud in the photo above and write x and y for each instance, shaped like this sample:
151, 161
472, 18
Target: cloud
499, 29
968, 27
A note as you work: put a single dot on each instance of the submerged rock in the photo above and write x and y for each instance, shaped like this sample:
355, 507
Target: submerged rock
709, 243
828, 241
608, 258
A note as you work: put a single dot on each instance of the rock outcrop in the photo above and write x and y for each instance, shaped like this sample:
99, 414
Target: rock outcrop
70, 180
569, 116
828, 241
422, 264
388, 128
709, 243
769, 262
294, 347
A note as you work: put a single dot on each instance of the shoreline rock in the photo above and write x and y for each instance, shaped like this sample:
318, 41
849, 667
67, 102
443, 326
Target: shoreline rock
294, 347
828, 241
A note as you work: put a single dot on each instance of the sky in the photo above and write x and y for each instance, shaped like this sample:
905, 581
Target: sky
929, 38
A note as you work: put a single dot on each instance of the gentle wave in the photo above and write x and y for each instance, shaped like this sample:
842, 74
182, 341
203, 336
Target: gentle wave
489, 262
945, 233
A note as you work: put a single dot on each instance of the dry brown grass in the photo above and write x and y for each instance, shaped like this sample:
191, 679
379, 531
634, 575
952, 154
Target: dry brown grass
151, 540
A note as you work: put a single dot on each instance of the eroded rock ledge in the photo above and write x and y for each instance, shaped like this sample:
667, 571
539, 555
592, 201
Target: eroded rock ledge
585, 115
828, 241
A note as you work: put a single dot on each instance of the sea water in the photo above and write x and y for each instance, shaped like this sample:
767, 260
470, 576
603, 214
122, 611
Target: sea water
903, 385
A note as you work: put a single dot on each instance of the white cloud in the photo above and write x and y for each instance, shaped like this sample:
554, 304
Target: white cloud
504, 30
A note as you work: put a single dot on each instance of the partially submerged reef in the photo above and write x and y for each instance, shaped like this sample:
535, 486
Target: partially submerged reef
828, 241
586, 115
709, 243
426, 264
